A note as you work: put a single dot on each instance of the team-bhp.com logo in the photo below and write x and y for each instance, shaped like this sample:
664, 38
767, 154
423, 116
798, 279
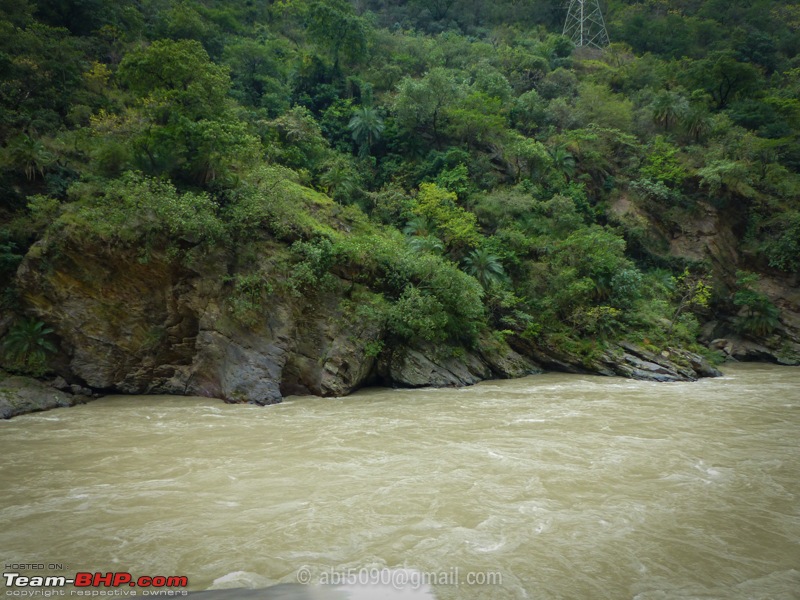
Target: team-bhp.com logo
83, 579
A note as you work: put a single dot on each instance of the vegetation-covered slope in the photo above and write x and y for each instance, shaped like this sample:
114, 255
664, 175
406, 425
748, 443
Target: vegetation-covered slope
452, 173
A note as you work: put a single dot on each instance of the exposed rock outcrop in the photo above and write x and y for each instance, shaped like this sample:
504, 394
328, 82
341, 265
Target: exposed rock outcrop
165, 328
627, 360
168, 326
432, 366
21, 395
714, 237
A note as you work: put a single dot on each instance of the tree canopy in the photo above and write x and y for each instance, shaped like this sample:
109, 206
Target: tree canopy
466, 144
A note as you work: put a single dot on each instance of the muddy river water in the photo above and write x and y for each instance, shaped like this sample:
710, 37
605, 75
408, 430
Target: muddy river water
551, 486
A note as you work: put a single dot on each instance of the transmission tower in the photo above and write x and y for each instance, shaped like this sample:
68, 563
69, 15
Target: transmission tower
585, 25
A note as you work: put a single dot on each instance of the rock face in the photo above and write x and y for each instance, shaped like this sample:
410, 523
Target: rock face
161, 328
158, 327
431, 366
168, 326
713, 237
629, 360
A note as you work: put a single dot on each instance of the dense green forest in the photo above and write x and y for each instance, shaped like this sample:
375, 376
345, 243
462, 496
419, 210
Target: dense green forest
467, 171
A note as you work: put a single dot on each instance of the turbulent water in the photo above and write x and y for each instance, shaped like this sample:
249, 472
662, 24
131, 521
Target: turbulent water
552, 486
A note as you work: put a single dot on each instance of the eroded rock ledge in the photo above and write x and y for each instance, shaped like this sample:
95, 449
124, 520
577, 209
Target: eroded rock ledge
22, 395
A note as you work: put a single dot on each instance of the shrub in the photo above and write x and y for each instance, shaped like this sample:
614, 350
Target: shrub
760, 316
26, 346
135, 206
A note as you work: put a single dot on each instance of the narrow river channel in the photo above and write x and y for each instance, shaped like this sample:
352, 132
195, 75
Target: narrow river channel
551, 486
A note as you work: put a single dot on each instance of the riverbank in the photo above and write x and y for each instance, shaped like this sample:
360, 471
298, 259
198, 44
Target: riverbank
21, 395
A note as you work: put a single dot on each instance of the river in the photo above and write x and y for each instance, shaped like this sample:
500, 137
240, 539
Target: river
551, 486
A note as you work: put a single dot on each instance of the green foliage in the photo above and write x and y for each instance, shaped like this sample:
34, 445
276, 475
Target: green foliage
781, 240
247, 303
597, 321
723, 77
297, 140
593, 253
172, 75
333, 25
188, 128
137, 207
423, 105
26, 346
529, 158
366, 127
691, 292
456, 225
597, 104
661, 164
392, 266
455, 180
417, 315
258, 74
668, 108
725, 177
485, 267
528, 112
563, 162
27, 155
9, 259
172, 125
310, 268
758, 315
271, 201
339, 179
43, 211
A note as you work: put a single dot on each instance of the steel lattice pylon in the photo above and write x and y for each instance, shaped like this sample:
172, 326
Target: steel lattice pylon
585, 25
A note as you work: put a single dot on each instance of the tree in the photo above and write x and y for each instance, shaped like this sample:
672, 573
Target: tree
340, 179
690, 291
595, 255
485, 267
419, 227
28, 155
189, 128
333, 25
177, 77
527, 157
439, 9
563, 162
723, 77
422, 104
366, 127
428, 243
259, 73
41, 76
697, 122
759, 316
668, 107
458, 227
661, 163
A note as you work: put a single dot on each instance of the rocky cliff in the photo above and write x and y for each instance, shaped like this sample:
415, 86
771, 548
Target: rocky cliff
713, 237
161, 326
164, 325
168, 322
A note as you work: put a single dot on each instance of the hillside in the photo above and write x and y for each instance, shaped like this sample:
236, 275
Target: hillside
247, 200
